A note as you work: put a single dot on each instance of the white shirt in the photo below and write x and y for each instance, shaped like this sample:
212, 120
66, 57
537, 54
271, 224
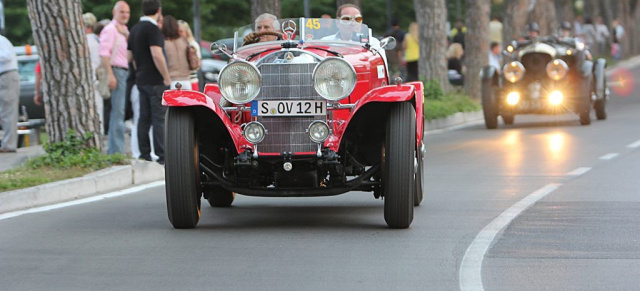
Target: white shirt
602, 33
8, 60
94, 54
494, 61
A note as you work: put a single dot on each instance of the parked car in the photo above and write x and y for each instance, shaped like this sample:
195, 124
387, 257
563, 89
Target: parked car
546, 75
27, 60
300, 116
213, 62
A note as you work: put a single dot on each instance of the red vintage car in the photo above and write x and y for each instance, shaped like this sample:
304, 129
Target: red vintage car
311, 113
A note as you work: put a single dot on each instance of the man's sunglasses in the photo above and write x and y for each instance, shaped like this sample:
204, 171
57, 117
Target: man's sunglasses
349, 18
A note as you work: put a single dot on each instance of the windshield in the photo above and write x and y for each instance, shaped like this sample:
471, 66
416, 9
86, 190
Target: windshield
27, 70
309, 29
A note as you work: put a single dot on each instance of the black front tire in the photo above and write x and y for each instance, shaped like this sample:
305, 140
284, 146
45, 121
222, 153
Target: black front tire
220, 197
489, 106
398, 169
599, 107
181, 168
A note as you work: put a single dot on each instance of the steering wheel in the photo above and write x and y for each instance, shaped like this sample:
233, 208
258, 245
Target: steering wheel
254, 37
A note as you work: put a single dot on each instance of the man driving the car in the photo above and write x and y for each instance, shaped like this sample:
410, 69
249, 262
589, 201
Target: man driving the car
267, 22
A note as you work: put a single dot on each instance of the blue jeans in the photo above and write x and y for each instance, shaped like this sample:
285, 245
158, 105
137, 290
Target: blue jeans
116, 119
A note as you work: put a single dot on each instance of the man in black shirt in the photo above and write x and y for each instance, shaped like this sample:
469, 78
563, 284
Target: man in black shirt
146, 51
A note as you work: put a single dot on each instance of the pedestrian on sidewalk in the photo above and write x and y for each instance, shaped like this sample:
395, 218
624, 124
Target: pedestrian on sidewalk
9, 96
93, 42
176, 47
185, 31
113, 51
146, 50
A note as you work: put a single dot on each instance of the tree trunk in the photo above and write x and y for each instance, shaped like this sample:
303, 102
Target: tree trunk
69, 99
515, 19
633, 31
476, 44
264, 6
354, 2
564, 10
544, 13
431, 16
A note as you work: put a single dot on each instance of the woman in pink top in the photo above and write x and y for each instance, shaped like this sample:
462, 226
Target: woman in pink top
175, 47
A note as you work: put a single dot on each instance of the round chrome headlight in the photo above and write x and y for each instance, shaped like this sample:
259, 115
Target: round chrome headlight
318, 131
557, 69
239, 82
254, 132
513, 71
334, 79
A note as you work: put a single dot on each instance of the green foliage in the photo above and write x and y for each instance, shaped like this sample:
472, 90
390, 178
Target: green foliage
74, 151
432, 90
17, 25
448, 105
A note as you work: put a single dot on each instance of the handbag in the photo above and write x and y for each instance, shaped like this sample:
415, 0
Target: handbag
192, 57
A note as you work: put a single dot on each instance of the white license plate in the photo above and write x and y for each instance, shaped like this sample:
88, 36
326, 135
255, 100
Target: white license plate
288, 108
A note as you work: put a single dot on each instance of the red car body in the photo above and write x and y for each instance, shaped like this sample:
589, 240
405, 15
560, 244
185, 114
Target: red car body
208, 154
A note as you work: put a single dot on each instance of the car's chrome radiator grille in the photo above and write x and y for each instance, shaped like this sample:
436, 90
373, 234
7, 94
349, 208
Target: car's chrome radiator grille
287, 82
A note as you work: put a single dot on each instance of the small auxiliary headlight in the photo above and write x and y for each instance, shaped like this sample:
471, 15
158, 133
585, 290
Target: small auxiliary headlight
513, 98
513, 71
318, 131
555, 98
254, 132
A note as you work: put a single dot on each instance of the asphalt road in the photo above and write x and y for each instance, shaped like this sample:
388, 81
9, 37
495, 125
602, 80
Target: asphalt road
583, 235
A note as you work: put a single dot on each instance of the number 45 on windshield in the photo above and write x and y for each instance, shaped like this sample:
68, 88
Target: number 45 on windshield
313, 23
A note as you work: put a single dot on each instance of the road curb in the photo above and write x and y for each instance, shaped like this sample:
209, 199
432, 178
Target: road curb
452, 121
102, 181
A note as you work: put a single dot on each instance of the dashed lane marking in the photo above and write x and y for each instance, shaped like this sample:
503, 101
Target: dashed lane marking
634, 145
579, 171
609, 156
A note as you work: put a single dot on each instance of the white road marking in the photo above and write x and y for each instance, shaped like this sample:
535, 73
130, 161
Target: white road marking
471, 266
579, 171
81, 201
609, 156
634, 145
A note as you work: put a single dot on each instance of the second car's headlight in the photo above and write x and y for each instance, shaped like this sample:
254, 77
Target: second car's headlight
513, 71
239, 82
334, 79
557, 69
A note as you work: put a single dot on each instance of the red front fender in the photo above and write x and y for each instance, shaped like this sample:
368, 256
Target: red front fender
184, 98
387, 94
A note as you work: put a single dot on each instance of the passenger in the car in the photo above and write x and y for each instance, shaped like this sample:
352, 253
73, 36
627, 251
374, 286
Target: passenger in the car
349, 21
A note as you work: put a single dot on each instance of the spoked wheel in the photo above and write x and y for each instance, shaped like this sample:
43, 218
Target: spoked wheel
508, 118
585, 107
181, 168
601, 89
599, 107
399, 167
420, 183
219, 197
489, 106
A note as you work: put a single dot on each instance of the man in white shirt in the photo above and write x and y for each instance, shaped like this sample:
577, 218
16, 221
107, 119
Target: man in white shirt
495, 59
602, 34
9, 96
